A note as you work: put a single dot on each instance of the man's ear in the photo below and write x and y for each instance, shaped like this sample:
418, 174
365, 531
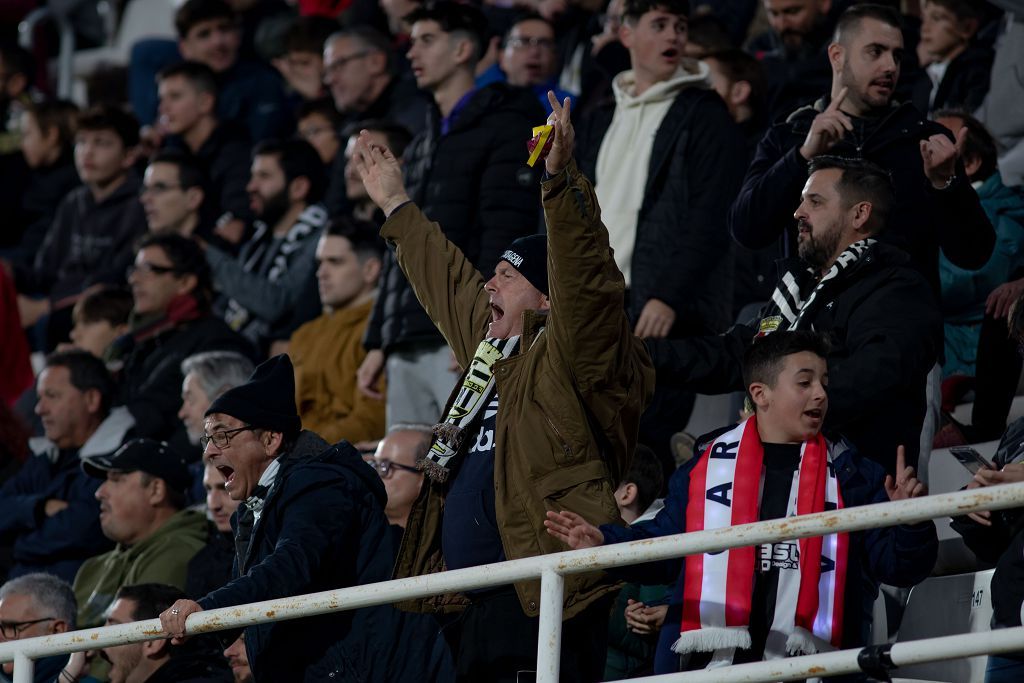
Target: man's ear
464, 51
207, 102
861, 216
157, 490
739, 93
298, 189
131, 155
545, 303
371, 268
187, 283
376, 62
194, 198
59, 626
93, 401
627, 494
971, 165
626, 35
155, 649
760, 394
836, 57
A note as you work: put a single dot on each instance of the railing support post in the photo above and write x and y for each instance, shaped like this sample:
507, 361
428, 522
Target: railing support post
23, 666
549, 636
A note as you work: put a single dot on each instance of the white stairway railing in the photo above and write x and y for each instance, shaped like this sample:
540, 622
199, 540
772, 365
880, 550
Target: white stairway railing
552, 568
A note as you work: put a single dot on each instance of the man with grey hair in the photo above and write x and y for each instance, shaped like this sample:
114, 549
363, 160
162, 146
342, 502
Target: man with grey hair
359, 72
207, 376
35, 605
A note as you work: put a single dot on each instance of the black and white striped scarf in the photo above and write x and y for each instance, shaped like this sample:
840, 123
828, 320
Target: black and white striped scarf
789, 307
475, 392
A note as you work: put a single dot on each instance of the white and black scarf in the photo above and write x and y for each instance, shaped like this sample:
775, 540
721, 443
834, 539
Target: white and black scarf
477, 386
790, 307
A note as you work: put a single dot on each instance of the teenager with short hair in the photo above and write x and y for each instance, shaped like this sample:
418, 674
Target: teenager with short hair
772, 465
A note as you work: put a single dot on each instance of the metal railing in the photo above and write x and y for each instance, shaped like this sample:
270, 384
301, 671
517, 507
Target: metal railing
551, 570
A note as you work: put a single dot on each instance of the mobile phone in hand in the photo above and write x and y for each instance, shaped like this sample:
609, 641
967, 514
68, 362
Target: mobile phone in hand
971, 459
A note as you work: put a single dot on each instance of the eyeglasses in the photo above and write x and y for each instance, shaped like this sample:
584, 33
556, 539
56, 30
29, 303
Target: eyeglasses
12, 629
221, 439
386, 467
157, 188
339, 63
147, 268
520, 43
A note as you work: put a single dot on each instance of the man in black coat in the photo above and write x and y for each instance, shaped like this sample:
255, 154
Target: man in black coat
313, 520
882, 318
172, 292
935, 204
467, 171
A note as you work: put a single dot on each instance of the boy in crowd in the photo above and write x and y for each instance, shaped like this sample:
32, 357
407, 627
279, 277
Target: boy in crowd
775, 464
90, 239
955, 70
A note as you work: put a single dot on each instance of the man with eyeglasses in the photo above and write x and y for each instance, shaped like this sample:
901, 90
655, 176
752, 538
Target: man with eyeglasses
172, 291
365, 83
189, 92
395, 462
36, 605
312, 520
529, 58
172, 194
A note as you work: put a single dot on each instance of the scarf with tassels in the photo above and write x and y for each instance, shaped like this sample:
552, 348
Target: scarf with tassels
724, 491
474, 394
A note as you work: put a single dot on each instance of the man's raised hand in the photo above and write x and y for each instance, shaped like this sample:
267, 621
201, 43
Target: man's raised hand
827, 128
573, 530
380, 173
939, 155
906, 484
564, 136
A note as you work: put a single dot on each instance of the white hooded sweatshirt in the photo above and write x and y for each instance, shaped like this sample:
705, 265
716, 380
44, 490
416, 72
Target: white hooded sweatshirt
625, 153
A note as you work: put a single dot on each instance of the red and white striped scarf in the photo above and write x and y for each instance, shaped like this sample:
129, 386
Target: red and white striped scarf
724, 491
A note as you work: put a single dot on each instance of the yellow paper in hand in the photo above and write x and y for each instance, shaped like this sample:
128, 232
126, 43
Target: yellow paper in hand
541, 134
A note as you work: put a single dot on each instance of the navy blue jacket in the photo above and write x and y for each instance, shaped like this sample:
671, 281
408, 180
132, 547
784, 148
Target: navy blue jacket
322, 527
899, 555
58, 544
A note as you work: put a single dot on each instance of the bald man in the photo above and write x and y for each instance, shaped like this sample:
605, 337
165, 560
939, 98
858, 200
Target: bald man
395, 461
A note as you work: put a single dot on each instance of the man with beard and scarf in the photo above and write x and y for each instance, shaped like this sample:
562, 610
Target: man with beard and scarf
270, 289
881, 317
935, 205
172, 291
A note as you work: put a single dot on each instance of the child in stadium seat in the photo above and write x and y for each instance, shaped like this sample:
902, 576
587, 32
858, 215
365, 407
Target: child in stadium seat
750, 604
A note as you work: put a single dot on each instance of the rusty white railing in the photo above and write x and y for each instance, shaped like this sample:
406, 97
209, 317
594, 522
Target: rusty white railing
552, 568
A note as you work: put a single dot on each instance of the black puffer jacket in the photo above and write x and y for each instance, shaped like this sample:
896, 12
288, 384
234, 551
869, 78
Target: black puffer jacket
886, 331
473, 180
682, 251
922, 220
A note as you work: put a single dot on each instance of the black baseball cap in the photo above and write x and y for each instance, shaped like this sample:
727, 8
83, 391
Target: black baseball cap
142, 455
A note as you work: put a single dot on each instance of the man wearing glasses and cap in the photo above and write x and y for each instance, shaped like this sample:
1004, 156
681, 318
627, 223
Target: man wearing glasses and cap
312, 520
142, 509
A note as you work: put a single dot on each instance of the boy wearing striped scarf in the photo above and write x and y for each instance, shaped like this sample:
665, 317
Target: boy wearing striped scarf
750, 604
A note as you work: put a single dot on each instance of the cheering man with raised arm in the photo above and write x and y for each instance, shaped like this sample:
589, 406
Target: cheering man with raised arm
546, 412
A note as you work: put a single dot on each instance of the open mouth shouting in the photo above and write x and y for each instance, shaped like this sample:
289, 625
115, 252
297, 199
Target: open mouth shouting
816, 414
228, 473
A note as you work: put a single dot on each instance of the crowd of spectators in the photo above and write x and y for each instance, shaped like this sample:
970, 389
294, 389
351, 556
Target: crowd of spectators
284, 308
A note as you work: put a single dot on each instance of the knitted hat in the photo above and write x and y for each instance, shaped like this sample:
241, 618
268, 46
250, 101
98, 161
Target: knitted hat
266, 401
529, 255
142, 455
